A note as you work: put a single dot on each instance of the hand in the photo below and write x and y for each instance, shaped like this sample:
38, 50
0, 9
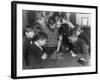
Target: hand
72, 54
56, 51
44, 56
70, 24
54, 55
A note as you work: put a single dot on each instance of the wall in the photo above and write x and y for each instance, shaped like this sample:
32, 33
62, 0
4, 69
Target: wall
25, 19
5, 40
79, 18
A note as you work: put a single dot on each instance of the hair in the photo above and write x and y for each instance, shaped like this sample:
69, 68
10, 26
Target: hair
77, 27
56, 14
64, 28
51, 20
63, 15
37, 28
30, 26
41, 36
27, 29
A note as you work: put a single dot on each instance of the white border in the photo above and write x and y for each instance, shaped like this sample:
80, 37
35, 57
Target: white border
21, 72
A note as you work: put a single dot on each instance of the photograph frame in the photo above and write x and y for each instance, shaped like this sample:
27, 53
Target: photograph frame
14, 38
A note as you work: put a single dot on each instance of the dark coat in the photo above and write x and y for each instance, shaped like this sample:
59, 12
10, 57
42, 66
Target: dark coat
85, 37
32, 54
79, 46
65, 31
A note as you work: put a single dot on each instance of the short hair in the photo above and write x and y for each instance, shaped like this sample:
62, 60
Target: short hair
29, 26
51, 20
27, 30
78, 27
63, 14
56, 14
37, 28
41, 36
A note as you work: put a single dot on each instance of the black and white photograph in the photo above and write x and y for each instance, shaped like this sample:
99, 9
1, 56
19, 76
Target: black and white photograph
53, 39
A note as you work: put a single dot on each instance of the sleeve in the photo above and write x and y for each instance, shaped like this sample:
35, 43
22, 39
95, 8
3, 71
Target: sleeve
70, 25
85, 38
37, 51
25, 48
60, 31
60, 37
79, 46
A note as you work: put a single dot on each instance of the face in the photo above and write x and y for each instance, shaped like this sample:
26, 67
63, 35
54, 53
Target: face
52, 26
78, 32
72, 38
64, 20
42, 42
41, 21
58, 24
57, 19
30, 34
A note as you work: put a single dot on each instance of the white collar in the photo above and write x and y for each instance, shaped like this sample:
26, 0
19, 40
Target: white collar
38, 45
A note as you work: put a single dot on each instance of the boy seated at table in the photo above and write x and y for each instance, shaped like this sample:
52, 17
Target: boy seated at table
33, 53
79, 47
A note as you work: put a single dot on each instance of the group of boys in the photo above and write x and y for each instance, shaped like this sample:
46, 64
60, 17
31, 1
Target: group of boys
48, 40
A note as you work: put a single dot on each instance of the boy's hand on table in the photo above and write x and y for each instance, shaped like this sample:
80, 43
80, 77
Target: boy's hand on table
44, 56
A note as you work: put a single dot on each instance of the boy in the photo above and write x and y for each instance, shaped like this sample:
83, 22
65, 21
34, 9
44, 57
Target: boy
52, 33
33, 51
80, 33
79, 47
65, 30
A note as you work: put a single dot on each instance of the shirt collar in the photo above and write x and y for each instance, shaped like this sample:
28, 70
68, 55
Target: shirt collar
38, 46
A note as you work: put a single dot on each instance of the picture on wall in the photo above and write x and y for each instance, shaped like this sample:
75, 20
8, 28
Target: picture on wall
53, 39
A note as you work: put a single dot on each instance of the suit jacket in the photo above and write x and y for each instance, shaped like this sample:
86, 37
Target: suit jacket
85, 37
32, 54
79, 46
